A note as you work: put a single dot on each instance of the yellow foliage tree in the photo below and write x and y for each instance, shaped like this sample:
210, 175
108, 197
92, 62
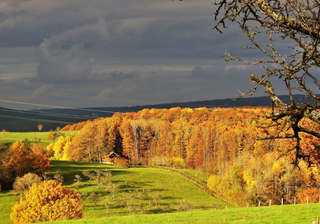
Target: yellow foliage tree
66, 151
47, 201
178, 162
213, 183
61, 148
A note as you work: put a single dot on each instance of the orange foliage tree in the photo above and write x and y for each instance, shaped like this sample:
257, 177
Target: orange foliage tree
23, 160
311, 194
40, 126
47, 201
51, 137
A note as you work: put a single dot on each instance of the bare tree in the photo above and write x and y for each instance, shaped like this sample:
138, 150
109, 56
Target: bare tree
297, 22
21, 184
91, 176
58, 177
108, 201
78, 181
95, 198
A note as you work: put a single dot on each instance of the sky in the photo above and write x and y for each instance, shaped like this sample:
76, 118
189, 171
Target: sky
101, 53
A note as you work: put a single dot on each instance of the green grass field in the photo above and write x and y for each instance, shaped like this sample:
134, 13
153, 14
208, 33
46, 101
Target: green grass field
293, 214
201, 176
10, 137
172, 186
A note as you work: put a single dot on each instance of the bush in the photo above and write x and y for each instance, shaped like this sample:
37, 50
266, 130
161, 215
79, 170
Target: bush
214, 182
160, 161
138, 162
22, 184
47, 201
123, 162
178, 162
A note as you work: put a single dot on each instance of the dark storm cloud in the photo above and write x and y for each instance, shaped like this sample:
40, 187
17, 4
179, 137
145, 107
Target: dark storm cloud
117, 52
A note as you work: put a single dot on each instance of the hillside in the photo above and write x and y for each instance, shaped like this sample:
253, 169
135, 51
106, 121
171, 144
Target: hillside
130, 182
224, 103
28, 120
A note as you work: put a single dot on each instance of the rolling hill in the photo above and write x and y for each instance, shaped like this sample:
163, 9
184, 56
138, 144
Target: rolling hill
28, 120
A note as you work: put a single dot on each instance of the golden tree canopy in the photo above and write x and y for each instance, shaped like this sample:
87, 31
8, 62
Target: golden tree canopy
48, 201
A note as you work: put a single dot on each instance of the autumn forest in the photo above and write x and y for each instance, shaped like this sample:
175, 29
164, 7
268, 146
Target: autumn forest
224, 142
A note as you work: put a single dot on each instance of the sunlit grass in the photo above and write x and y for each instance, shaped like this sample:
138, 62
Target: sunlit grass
201, 176
7, 200
172, 186
29, 136
293, 214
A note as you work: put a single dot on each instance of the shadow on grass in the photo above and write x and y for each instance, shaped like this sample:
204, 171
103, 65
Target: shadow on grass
68, 169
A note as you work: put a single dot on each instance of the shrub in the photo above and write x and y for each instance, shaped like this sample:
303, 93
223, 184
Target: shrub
138, 162
47, 201
160, 161
123, 162
214, 182
22, 184
178, 162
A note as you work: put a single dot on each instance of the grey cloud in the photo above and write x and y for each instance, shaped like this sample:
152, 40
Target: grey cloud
62, 66
139, 51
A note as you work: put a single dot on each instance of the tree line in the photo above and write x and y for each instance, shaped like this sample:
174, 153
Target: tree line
232, 144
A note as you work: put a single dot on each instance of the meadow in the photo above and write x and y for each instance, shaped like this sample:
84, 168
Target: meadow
172, 187
293, 214
11, 137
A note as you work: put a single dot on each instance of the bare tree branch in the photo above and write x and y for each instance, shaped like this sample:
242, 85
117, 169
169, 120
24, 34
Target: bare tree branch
298, 21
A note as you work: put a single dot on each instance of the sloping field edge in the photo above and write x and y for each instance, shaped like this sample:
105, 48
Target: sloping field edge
197, 182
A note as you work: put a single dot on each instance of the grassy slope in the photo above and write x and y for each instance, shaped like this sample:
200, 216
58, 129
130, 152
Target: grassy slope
7, 200
201, 176
172, 186
298, 214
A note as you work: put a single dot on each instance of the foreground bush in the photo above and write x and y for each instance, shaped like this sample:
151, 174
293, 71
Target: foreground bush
47, 201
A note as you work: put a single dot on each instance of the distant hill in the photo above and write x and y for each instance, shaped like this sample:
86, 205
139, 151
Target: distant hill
27, 121
109, 111
22, 120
